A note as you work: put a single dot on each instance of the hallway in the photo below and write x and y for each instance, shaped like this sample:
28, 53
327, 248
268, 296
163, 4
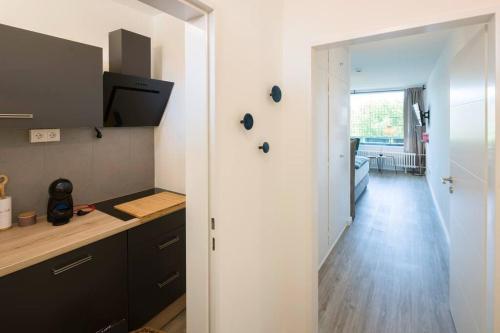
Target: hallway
389, 271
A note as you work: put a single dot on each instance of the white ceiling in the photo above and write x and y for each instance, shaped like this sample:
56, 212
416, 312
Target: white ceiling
139, 6
398, 62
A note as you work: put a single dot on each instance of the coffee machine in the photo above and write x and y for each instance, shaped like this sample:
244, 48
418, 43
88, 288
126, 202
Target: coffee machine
60, 206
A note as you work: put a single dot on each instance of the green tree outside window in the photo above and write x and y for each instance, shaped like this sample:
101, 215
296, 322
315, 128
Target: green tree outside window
378, 118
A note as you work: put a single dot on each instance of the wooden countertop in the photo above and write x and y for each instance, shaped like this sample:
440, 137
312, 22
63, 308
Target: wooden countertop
21, 247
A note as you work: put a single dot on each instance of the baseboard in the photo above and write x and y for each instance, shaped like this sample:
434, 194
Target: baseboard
438, 210
331, 247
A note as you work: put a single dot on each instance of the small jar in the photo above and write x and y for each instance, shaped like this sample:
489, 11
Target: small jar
26, 218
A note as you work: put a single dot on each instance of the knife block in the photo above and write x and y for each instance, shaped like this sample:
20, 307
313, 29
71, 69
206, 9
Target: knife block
5, 213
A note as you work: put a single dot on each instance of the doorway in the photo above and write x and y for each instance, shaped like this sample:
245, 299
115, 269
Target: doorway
363, 284
192, 314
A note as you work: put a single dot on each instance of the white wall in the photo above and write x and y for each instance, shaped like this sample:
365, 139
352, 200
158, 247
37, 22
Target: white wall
170, 137
255, 260
438, 100
315, 22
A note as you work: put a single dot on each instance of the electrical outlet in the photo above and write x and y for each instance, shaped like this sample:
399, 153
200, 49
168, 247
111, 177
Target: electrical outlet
38, 135
53, 135
45, 135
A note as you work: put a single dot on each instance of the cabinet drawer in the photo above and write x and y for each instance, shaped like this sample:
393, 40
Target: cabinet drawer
156, 266
81, 291
165, 224
149, 297
156, 255
157, 275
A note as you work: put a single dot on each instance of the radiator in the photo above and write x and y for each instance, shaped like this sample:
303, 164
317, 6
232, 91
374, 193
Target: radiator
403, 160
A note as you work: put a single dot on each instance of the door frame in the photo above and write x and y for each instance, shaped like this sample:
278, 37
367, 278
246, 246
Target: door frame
489, 17
199, 160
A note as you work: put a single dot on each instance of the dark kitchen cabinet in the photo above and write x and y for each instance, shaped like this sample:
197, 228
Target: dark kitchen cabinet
81, 291
111, 286
48, 82
156, 266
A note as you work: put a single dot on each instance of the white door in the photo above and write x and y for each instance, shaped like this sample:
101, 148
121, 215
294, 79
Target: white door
468, 167
339, 145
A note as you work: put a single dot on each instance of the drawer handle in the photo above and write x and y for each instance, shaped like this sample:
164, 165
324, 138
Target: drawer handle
57, 271
16, 115
169, 280
168, 243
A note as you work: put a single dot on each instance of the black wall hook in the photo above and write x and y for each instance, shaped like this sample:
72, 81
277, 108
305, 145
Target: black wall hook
265, 147
276, 94
98, 133
247, 121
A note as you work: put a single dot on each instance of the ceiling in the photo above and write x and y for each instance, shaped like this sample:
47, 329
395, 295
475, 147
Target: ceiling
177, 8
139, 6
398, 62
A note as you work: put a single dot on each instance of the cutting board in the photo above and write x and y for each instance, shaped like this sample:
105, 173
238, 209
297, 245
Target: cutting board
152, 204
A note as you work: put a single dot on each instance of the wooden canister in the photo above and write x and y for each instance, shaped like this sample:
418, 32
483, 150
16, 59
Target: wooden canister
26, 218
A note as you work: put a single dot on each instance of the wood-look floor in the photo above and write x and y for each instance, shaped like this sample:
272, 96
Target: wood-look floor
177, 325
389, 271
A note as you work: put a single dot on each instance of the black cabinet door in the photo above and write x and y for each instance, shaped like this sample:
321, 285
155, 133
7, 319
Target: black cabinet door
57, 81
81, 291
156, 266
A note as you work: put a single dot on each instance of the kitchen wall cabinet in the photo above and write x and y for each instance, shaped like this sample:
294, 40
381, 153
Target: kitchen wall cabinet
56, 81
81, 291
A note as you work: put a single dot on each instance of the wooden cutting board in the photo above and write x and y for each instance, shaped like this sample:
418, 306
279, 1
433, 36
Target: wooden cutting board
152, 204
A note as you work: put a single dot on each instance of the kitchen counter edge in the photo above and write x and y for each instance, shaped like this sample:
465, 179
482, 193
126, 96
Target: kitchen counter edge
22, 247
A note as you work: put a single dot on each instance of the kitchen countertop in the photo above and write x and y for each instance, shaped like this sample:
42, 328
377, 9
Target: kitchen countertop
21, 247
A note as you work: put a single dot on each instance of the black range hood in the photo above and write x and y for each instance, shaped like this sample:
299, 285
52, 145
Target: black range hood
134, 101
131, 97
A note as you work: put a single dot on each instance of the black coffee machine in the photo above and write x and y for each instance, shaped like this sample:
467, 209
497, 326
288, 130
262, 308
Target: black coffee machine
60, 207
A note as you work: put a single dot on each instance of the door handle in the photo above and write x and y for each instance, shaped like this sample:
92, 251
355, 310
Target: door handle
448, 179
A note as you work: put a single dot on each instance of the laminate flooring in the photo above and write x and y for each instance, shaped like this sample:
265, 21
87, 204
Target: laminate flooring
389, 271
177, 325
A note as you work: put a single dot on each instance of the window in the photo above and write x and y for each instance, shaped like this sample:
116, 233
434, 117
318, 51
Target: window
378, 118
